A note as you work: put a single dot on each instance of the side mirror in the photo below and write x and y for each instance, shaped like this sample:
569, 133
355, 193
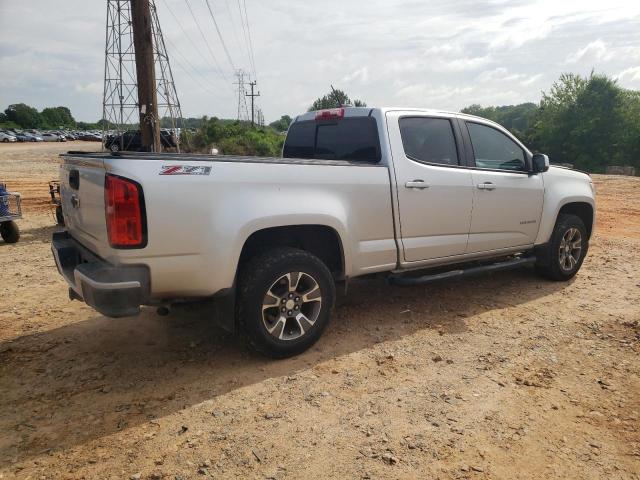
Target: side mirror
540, 163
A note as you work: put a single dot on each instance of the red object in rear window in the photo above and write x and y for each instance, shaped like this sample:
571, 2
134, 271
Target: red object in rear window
331, 114
124, 210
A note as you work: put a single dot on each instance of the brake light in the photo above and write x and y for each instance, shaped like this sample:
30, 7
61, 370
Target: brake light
330, 114
124, 210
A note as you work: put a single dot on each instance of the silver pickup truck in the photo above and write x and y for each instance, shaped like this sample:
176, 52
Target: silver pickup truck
418, 194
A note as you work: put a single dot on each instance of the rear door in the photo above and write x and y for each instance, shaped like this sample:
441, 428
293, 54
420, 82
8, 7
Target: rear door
82, 194
507, 200
434, 187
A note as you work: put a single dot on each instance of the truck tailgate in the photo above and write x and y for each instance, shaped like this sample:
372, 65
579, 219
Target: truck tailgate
82, 193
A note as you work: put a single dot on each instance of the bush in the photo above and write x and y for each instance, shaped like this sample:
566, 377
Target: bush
233, 138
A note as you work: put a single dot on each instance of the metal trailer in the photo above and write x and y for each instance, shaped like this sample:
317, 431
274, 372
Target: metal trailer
10, 211
54, 192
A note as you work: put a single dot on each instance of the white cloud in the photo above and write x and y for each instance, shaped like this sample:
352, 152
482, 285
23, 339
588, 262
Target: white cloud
360, 75
93, 87
629, 78
443, 54
595, 51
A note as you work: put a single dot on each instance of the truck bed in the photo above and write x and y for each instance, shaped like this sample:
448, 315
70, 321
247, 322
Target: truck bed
194, 157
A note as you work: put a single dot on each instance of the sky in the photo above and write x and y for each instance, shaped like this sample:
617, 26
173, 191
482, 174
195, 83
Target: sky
443, 54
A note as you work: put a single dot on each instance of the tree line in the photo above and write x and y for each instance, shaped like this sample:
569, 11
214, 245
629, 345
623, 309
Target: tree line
20, 115
590, 122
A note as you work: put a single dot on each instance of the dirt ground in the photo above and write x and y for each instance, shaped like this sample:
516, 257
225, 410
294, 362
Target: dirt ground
501, 376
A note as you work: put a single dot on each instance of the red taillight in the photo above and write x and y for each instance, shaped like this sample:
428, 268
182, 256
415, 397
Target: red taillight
124, 204
331, 114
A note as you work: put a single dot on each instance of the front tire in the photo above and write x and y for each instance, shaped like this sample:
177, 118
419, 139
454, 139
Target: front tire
10, 232
566, 250
285, 301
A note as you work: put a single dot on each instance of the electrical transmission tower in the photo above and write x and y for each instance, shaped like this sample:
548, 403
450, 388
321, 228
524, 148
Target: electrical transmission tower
121, 105
243, 111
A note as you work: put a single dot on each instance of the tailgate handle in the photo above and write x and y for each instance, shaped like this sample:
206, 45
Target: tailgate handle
74, 179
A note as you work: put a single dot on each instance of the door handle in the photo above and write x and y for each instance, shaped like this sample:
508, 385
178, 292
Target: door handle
486, 186
419, 184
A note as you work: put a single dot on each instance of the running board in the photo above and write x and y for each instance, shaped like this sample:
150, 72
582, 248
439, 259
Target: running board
403, 280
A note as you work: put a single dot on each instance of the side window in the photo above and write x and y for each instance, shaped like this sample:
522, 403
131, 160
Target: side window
429, 140
494, 150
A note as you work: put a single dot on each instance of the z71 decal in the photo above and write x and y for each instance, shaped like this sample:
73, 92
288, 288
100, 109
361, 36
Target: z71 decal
184, 170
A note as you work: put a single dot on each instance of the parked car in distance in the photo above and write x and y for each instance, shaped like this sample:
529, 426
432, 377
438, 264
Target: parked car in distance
6, 138
22, 137
34, 137
90, 137
52, 137
132, 141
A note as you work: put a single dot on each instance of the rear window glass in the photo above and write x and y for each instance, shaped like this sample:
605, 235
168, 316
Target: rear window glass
353, 139
429, 140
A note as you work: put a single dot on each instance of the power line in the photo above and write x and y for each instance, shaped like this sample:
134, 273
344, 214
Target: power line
193, 44
205, 40
234, 30
204, 86
224, 46
246, 18
246, 38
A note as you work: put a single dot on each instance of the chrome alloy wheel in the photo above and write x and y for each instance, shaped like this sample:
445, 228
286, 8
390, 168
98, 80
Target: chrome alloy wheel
291, 306
570, 249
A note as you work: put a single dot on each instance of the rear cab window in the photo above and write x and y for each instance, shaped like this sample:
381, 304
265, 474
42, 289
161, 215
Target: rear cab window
429, 140
353, 139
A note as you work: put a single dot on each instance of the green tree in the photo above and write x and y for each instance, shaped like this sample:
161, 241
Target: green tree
334, 99
585, 121
57, 117
590, 122
283, 124
518, 119
23, 115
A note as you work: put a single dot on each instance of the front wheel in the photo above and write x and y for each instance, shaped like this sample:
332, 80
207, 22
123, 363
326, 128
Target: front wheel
285, 301
566, 250
9, 231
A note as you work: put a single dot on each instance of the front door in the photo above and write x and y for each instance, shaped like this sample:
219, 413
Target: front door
507, 200
434, 191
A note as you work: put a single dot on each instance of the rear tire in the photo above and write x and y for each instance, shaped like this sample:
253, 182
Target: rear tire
10, 232
115, 148
566, 250
285, 300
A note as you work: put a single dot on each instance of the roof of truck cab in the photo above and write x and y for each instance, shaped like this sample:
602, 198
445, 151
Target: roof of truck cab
367, 111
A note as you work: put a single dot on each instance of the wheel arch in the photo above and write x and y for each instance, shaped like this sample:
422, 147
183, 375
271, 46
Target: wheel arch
321, 240
582, 210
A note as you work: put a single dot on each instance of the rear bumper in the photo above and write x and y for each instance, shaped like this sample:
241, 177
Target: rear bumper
114, 291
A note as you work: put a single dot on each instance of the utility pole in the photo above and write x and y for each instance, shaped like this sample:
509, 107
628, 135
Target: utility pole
253, 95
145, 69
